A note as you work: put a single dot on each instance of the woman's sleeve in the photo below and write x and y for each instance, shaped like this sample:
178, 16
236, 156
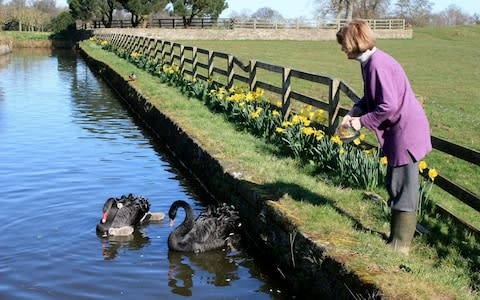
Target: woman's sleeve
381, 85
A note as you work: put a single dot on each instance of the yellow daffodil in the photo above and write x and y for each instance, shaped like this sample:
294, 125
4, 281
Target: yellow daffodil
341, 151
280, 130
422, 165
432, 173
319, 134
362, 137
296, 119
259, 93
254, 114
357, 141
371, 151
384, 160
308, 130
275, 113
250, 96
336, 139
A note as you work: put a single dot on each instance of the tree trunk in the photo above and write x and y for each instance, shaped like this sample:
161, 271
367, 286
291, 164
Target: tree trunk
349, 10
144, 21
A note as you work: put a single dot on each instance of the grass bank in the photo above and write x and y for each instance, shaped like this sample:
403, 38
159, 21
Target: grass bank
351, 228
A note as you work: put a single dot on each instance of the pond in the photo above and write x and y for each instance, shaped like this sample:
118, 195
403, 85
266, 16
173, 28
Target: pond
68, 144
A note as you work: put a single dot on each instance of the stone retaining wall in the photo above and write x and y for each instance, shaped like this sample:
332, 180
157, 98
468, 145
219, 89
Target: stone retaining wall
304, 265
248, 34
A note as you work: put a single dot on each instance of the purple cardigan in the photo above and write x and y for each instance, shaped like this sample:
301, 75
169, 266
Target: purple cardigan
390, 109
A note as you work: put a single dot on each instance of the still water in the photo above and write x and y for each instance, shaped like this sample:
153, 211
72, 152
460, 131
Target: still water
66, 145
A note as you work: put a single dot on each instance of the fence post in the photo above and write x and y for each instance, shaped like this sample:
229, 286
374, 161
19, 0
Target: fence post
252, 75
286, 89
182, 59
210, 64
162, 46
333, 105
172, 53
230, 72
194, 62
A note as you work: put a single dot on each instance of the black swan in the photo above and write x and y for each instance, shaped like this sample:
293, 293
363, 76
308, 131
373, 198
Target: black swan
120, 215
214, 228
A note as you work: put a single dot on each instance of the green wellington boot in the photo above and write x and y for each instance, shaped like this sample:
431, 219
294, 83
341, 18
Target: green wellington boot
402, 229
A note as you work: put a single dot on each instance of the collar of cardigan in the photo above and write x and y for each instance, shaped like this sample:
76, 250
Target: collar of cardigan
365, 56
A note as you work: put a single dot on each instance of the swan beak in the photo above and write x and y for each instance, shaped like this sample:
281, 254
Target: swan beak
104, 217
170, 222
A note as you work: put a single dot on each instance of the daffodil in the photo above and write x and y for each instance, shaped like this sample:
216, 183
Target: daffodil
308, 130
357, 141
280, 130
319, 134
362, 136
336, 139
422, 165
432, 173
250, 97
275, 113
384, 160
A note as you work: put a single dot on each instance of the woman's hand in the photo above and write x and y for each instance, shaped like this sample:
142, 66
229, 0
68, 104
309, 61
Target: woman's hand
346, 121
355, 123
349, 121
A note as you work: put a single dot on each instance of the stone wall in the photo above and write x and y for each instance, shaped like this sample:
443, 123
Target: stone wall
248, 34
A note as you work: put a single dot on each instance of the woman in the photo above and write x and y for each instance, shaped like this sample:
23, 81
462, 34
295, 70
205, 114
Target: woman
389, 108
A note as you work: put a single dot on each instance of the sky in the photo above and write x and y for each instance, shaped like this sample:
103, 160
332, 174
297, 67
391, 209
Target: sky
303, 8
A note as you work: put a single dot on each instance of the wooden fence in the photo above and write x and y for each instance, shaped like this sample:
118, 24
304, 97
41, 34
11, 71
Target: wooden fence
184, 56
230, 23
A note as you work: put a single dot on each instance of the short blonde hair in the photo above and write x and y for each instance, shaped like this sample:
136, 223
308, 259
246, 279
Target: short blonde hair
356, 37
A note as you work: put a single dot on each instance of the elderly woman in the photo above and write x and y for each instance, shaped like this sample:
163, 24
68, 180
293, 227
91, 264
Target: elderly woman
389, 109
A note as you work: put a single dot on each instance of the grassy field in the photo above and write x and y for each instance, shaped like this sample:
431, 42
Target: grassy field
443, 264
443, 65
25, 35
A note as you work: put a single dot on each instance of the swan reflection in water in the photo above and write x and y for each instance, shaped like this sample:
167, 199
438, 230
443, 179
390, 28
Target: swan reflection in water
112, 244
222, 269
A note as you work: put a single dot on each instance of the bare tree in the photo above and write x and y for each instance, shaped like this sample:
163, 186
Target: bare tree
268, 14
348, 9
476, 18
455, 16
370, 9
415, 12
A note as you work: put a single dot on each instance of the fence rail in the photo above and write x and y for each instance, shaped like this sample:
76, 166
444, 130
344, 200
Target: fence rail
171, 53
231, 23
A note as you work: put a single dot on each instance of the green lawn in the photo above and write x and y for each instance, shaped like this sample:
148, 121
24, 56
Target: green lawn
443, 265
26, 35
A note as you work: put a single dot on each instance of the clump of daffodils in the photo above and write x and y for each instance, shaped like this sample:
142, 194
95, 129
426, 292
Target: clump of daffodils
425, 186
